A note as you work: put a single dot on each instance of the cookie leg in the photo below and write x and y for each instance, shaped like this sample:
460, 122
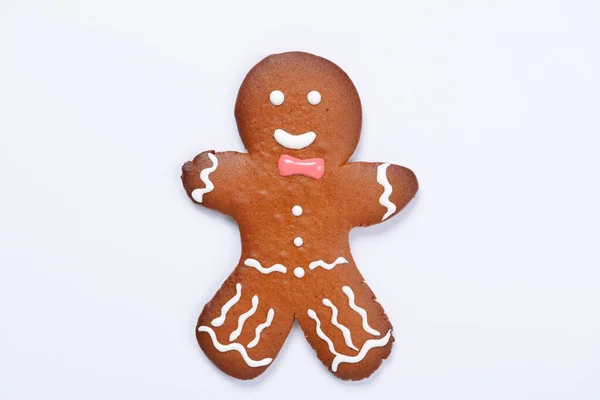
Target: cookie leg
240, 330
348, 329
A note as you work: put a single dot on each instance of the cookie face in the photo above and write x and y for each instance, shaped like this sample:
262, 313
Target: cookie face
295, 199
316, 112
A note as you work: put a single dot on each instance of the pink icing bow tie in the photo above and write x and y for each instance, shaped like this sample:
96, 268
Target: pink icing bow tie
311, 167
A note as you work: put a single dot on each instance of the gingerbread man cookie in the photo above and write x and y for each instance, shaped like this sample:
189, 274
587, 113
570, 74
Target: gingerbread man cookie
295, 198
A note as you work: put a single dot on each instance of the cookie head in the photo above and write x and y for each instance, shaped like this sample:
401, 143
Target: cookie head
301, 105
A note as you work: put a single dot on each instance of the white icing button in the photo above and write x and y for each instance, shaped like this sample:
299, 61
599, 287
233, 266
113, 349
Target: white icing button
297, 211
314, 97
276, 97
299, 272
298, 241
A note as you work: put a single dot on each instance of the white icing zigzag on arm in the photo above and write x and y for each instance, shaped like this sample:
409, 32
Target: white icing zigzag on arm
227, 306
261, 327
197, 194
323, 264
235, 334
384, 199
361, 311
345, 331
236, 347
369, 344
251, 262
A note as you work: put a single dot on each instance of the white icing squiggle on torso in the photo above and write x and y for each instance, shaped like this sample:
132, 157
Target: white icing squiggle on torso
345, 331
251, 262
236, 347
261, 327
369, 344
197, 194
384, 199
323, 264
361, 311
235, 334
227, 306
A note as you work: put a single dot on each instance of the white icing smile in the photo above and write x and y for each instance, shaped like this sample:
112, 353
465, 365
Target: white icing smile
294, 142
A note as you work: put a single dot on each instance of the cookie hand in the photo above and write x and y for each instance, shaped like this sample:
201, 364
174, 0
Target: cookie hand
381, 190
210, 179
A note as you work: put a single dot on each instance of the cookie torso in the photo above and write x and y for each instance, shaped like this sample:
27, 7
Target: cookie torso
272, 232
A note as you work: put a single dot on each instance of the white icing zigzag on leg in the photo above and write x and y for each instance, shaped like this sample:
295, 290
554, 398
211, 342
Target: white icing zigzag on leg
235, 347
320, 332
345, 331
251, 262
361, 311
323, 264
369, 344
235, 334
261, 327
384, 199
197, 194
227, 306
342, 358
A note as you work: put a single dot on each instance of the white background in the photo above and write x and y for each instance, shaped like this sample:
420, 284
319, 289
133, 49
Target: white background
491, 276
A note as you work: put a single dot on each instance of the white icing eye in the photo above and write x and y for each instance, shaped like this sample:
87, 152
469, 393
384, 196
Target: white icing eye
276, 97
314, 97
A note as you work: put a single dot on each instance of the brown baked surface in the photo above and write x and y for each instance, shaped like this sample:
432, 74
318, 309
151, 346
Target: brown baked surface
249, 188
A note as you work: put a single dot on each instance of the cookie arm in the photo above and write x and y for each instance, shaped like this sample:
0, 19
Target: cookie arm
380, 191
214, 179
